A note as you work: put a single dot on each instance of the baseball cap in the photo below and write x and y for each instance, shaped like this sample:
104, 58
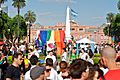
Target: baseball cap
36, 72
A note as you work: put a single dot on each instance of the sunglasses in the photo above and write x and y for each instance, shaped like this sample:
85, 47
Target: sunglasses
47, 70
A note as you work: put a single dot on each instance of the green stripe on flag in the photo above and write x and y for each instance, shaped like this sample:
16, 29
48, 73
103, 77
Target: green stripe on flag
48, 35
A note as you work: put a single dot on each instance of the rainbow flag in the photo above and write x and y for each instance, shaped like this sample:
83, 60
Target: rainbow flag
52, 36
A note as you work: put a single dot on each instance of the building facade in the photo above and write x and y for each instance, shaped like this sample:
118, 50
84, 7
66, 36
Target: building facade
94, 33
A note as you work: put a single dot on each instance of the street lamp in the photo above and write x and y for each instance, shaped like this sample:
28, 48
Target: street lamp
29, 26
95, 36
108, 24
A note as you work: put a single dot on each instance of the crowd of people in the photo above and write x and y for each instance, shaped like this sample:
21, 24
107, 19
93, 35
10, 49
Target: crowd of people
26, 63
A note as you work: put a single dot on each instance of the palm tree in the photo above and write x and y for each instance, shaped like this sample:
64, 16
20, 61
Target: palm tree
31, 18
110, 17
18, 4
1, 2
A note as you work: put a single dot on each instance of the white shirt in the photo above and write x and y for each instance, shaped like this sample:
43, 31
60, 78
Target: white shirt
27, 74
60, 77
64, 56
84, 56
22, 48
53, 75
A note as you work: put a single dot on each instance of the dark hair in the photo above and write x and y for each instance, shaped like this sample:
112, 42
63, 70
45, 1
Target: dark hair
92, 71
74, 47
33, 59
50, 51
89, 64
64, 49
91, 74
118, 59
49, 62
77, 67
16, 55
63, 65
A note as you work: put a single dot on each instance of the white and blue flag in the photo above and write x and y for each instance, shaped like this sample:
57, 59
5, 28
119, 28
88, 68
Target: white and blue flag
73, 13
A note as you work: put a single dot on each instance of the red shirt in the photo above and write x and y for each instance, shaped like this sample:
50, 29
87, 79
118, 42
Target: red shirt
112, 75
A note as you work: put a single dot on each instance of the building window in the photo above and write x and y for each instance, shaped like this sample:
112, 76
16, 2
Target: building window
72, 29
60, 29
80, 29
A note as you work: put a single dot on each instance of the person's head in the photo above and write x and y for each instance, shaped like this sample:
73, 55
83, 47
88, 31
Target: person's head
37, 73
64, 50
108, 56
29, 50
17, 58
33, 59
49, 62
74, 50
50, 53
36, 47
63, 65
93, 74
78, 69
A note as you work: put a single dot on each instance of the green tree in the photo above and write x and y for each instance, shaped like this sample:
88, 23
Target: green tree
114, 27
22, 28
1, 17
110, 18
18, 4
30, 16
8, 27
3, 23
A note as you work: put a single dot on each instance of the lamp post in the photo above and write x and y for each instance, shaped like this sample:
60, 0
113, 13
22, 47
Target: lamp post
95, 36
108, 24
29, 26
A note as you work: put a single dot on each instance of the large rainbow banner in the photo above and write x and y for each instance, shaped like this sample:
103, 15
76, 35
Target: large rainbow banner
48, 37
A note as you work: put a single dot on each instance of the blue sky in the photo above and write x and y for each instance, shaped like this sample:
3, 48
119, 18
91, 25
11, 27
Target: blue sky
50, 12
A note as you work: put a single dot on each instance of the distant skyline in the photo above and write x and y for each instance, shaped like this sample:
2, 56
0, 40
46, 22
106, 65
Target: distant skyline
51, 12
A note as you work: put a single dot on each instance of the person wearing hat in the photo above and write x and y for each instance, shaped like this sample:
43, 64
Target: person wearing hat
33, 62
38, 73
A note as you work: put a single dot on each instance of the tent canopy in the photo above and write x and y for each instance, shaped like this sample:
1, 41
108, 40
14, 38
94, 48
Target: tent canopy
85, 40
